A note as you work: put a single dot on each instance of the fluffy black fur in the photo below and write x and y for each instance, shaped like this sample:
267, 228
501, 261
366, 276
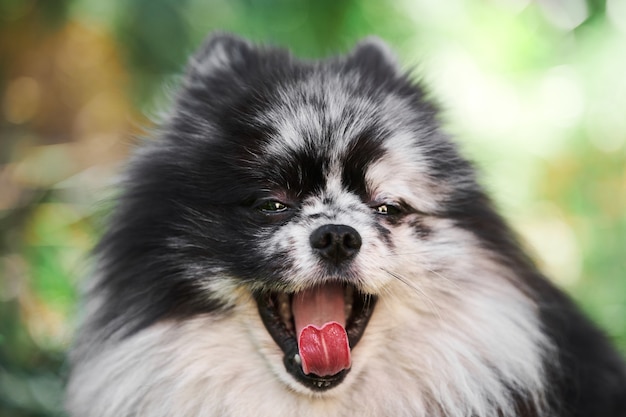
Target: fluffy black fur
189, 211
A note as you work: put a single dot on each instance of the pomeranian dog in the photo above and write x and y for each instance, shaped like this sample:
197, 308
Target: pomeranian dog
301, 238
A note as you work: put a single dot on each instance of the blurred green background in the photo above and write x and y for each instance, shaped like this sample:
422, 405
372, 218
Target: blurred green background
535, 91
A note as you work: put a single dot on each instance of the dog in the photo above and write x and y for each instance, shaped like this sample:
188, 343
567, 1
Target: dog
301, 238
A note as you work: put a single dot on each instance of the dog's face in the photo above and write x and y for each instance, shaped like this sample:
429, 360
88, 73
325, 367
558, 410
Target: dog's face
320, 208
315, 187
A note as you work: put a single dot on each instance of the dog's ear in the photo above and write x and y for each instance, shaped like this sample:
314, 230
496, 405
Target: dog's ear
221, 52
374, 53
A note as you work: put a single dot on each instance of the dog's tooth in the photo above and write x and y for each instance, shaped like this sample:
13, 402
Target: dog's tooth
284, 309
297, 359
348, 300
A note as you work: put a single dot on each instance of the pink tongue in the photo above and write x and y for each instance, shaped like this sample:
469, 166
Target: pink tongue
320, 319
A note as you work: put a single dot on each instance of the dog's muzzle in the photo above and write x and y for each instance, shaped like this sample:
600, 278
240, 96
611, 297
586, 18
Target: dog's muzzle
318, 327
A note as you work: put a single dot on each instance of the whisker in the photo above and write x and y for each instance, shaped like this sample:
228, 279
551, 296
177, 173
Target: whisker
416, 288
432, 271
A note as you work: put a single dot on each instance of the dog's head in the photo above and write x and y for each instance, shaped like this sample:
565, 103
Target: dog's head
326, 191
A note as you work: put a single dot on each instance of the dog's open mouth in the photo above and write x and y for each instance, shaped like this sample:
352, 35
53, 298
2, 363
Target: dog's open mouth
317, 329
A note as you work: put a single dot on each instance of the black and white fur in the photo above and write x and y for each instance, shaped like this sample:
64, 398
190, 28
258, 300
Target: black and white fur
464, 324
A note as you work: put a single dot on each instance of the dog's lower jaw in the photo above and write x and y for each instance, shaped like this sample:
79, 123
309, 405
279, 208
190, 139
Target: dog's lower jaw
314, 382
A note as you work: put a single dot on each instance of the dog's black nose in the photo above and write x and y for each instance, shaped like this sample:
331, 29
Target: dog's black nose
336, 242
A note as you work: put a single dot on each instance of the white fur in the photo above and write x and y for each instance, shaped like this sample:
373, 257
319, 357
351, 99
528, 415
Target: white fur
446, 343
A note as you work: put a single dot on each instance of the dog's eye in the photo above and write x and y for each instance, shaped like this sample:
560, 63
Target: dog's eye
387, 209
272, 206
